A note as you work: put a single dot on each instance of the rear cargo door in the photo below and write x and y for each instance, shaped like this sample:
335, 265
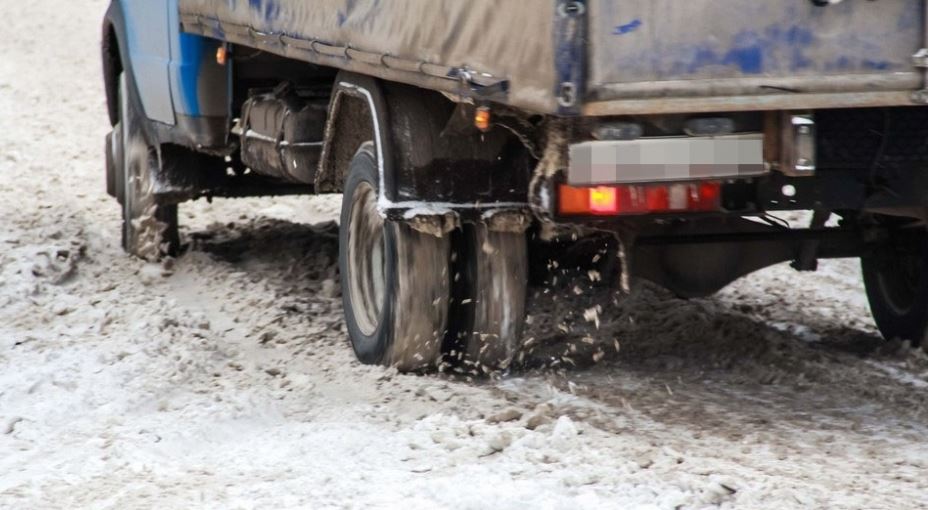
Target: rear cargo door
693, 48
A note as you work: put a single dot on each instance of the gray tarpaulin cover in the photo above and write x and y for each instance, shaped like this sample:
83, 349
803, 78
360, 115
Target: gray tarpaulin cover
512, 40
650, 50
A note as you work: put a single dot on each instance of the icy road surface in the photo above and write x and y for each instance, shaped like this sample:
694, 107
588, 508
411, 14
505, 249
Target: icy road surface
229, 383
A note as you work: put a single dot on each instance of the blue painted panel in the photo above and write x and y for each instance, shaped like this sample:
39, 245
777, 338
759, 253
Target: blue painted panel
200, 86
187, 70
667, 40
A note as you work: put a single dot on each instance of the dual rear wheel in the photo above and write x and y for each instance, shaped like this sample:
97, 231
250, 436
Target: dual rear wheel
412, 300
409, 303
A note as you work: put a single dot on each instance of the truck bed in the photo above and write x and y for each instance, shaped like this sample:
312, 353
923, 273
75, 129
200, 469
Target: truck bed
613, 57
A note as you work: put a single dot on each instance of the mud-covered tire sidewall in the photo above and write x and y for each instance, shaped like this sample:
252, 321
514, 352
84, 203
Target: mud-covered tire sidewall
157, 236
496, 270
413, 317
369, 348
884, 272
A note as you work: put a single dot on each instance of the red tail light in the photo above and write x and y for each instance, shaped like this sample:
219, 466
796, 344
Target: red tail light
657, 198
628, 199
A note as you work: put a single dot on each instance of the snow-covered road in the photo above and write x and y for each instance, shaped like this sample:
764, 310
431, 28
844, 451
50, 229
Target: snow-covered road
225, 381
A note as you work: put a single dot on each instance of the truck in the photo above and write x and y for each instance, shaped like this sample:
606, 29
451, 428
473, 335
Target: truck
462, 134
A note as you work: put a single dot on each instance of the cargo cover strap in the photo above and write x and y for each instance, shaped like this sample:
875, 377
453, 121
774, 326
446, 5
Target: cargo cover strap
460, 80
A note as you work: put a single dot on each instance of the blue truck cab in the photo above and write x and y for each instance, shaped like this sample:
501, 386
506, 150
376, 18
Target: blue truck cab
177, 81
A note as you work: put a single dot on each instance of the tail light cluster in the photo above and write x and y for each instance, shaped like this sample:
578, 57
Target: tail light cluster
631, 199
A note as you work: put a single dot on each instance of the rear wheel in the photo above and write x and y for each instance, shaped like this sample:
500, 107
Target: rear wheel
896, 278
496, 277
149, 229
395, 280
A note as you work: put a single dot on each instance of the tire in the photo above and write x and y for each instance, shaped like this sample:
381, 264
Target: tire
149, 229
395, 280
496, 276
896, 279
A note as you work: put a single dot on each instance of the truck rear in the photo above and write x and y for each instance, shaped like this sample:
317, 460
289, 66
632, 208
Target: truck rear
467, 137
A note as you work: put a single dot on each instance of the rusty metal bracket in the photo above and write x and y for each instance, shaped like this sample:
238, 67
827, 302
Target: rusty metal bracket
920, 60
797, 144
570, 32
479, 86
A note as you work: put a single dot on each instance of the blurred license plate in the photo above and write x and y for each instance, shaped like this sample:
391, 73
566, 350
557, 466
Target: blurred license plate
666, 159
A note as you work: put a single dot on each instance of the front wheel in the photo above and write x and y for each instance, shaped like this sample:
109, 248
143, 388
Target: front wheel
395, 280
149, 229
896, 278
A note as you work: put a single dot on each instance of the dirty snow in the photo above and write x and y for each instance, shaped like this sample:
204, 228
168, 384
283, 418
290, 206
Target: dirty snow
225, 381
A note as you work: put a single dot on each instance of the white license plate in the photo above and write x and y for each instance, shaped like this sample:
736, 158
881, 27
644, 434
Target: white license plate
666, 159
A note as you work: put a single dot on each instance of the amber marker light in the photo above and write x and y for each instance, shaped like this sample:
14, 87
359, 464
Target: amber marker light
573, 200
222, 55
482, 118
604, 200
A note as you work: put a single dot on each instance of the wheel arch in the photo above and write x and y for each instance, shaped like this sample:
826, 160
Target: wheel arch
114, 57
357, 113
428, 151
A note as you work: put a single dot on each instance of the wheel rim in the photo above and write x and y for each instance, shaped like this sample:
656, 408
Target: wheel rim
367, 281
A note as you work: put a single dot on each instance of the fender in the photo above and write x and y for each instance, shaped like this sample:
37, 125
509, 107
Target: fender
422, 167
357, 114
115, 59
